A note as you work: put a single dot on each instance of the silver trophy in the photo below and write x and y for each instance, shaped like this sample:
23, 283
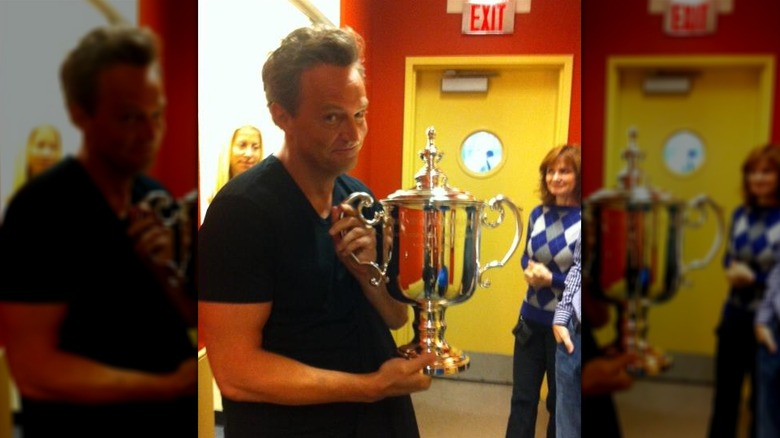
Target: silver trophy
435, 238
634, 245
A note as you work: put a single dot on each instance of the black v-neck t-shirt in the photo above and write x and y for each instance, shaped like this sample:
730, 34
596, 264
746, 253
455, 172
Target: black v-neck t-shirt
262, 241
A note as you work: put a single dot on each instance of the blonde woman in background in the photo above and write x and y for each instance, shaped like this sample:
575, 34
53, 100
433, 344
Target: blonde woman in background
244, 151
43, 150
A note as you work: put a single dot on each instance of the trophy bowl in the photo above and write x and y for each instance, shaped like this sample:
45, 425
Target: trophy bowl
436, 234
634, 237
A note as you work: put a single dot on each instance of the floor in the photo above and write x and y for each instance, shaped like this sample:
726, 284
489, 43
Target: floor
656, 409
460, 409
457, 408
669, 410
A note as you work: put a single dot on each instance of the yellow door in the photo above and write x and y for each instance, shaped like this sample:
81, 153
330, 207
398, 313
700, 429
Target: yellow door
527, 108
713, 125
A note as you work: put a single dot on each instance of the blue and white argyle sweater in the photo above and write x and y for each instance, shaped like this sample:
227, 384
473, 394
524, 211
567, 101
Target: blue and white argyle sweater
754, 239
550, 239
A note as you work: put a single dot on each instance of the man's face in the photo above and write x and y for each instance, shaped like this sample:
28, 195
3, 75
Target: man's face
127, 124
328, 131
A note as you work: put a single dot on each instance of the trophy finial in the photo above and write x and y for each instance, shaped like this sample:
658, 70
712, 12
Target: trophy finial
430, 175
431, 155
631, 175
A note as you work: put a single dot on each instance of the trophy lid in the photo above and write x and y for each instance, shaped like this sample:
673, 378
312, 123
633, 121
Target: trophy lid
431, 182
631, 186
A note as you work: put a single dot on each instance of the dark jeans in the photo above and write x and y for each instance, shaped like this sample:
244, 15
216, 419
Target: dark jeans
533, 356
568, 380
735, 360
768, 385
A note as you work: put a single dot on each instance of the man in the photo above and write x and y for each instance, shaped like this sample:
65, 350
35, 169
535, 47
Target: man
296, 335
567, 331
95, 318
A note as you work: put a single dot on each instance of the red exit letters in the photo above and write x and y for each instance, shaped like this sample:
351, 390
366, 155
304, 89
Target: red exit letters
488, 17
690, 18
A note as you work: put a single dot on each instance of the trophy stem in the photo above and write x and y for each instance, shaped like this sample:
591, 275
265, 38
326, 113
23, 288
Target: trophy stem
649, 361
429, 337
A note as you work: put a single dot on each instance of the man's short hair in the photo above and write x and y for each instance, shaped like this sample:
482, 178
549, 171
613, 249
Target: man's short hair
99, 49
303, 49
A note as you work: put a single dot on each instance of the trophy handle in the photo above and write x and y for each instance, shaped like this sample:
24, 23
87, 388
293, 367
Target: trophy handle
700, 203
173, 213
366, 201
497, 203
163, 206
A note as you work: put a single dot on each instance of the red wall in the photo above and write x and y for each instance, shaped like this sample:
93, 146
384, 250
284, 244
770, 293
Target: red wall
394, 30
751, 28
177, 25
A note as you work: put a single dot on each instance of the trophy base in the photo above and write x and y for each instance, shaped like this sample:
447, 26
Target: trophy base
651, 363
448, 361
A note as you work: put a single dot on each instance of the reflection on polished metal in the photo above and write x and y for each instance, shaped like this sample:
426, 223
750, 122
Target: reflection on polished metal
634, 246
435, 234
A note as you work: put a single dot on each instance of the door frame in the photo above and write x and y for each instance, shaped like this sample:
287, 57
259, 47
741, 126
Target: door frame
562, 64
765, 64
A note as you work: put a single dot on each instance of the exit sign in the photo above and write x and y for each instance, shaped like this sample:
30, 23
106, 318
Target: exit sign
690, 17
485, 17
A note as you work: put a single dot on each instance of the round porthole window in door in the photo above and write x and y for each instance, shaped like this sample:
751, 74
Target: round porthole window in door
684, 152
481, 153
